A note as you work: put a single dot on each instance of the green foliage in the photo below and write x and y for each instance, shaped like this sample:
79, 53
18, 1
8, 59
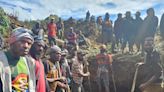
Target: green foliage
4, 22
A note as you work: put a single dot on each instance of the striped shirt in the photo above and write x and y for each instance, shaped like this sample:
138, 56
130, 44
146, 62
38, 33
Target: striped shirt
76, 68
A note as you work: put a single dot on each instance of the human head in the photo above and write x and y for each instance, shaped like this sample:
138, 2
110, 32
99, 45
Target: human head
103, 48
149, 44
64, 45
137, 14
60, 20
38, 24
92, 18
52, 20
38, 48
80, 55
55, 53
88, 13
20, 41
119, 15
107, 16
150, 12
71, 29
64, 54
99, 20
128, 14
79, 32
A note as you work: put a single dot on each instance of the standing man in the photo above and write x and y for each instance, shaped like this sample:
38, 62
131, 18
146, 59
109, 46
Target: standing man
87, 16
54, 73
103, 60
107, 34
65, 66
17, 73
128, 32
78, 72
38, 30
36, 52
81, 40
150, 71
150, 24
118, 25
52, 32
60, 29
72, 40
137, 29
99, 23
72, 37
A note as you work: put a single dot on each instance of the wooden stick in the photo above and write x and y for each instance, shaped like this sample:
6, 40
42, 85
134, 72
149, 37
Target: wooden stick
89, 82
135, 77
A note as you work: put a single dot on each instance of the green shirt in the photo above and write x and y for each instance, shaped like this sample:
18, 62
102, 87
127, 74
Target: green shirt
19, 72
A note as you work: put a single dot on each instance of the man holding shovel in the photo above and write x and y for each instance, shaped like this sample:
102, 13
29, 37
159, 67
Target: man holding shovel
104, 61
149, 71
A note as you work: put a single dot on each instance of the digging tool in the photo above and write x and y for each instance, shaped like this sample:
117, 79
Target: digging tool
113, 80
60, 75
89, 81
112, 72
135, 77
87, 70
162, 75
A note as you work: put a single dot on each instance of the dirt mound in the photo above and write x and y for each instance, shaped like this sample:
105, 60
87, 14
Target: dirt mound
123, 70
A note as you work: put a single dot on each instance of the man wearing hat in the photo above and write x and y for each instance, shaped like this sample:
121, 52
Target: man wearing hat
17, 72
36, 52
103, 60
52, 32
78, 73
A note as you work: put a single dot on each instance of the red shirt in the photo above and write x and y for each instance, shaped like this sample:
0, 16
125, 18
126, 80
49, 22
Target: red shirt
104, 58
41, 85
52, 29
72, 37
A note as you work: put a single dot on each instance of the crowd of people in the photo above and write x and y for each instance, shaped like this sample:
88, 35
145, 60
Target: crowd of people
128, 30
24, 69
32, 65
